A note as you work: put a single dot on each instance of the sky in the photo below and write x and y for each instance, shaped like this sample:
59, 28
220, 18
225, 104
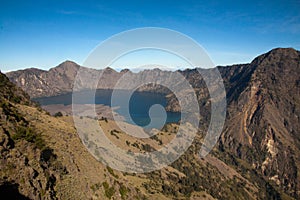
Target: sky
43, 34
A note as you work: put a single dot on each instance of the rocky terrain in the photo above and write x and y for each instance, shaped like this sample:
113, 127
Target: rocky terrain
42, 157
257, 156
263, 120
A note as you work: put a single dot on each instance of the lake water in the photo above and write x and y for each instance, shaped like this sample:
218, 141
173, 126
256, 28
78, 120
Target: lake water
139, 105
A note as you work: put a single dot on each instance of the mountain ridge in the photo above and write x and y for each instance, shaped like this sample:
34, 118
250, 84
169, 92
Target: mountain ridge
260, 138
59, 79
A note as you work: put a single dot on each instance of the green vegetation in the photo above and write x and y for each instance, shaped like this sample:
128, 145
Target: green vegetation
109, 191
123, 191
29, 135
111, 171
16, 99
105, 185
95, 187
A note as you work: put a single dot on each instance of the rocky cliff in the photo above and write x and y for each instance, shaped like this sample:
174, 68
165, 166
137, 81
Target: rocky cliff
262, 127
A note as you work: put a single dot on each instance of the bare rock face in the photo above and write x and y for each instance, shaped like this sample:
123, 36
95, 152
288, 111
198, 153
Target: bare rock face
60, 79
38, 82
263, 119
263, 116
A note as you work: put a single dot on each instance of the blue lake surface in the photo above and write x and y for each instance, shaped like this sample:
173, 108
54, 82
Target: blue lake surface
139, 105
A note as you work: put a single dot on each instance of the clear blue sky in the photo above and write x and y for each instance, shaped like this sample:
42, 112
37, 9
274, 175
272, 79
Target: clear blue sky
45, 33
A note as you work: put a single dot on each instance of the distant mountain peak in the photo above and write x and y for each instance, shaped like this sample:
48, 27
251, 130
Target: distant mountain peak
68, 62
67, 65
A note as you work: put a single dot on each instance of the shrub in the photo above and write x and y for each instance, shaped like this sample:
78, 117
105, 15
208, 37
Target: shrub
147, 147
113, 134
16, 99
123, 191
104, 118
29, 135
109, 191
47, 155
111, 171
58, 114
135, 145
105, 185
95, 187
